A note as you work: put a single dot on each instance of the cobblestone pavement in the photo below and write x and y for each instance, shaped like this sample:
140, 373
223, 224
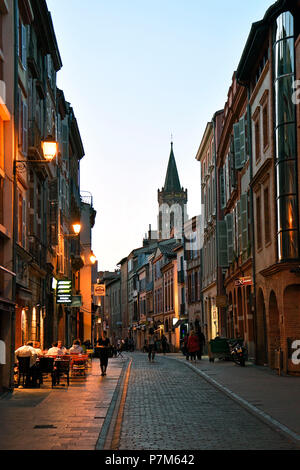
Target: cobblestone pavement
65, 418
170, 407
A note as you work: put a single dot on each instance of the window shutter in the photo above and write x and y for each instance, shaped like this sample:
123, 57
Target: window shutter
242, 141
222, 245
65, 141
25, 128
24, 45
23, 223
232, 166
239, 222
222, 188
237, 146
227, 179
244, 215
229, 225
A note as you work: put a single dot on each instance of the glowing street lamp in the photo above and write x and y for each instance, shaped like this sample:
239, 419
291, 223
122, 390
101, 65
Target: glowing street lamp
77, 228
50, 148
93, 258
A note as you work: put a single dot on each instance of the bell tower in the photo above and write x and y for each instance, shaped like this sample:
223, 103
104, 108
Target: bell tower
172, 200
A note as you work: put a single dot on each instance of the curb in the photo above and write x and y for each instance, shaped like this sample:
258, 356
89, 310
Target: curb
264, 417
115, 402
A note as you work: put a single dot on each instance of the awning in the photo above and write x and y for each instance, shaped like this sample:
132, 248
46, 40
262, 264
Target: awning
179, 323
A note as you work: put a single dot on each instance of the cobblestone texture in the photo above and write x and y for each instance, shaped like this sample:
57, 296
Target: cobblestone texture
170, 407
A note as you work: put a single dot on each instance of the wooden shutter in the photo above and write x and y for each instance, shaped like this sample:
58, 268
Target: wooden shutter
242, 141
239, 222
222, 244
24, 45
227, 181
24, 223
229, 225
244, 215
25, 127
237, 146
232, 166
222, 188
65, 141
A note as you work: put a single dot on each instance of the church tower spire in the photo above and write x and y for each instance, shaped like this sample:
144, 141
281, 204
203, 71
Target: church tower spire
172, 200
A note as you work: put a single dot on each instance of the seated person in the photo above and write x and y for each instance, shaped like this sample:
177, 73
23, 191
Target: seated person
76, 348
37, 347
61, 347
27, 351
54, 351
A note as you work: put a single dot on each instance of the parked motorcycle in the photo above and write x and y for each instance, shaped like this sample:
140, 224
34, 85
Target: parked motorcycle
238, 352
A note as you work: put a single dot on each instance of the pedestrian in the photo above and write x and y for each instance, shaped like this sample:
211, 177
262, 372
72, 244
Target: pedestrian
151, 345
104, 347
185, 346
37, 347
201, 339
193, 345
164, 344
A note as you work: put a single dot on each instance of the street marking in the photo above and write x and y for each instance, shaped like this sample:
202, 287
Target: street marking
118, 425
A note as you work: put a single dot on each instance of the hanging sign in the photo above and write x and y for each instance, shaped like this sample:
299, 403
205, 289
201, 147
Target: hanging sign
64, 292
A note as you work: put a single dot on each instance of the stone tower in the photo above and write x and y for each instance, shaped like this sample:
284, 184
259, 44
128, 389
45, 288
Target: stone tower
172, 200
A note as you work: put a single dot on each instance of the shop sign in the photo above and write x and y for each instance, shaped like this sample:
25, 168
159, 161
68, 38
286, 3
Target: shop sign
2, 353
64, 292
99, 290
244, 281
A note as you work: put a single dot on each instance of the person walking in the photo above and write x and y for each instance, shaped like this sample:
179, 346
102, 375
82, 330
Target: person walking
151, 345
104, 347
164, 344
185, 346
201, 338
193, 345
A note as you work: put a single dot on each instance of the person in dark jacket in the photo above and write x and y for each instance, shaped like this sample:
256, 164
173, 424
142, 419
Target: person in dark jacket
193, 345
201, 338
104, 347
164, 344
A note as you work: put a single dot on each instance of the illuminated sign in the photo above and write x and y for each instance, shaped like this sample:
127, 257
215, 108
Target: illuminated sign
99, 290
64, 292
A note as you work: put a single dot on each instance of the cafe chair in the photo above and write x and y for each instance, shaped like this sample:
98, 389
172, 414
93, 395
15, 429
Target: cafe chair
46, 366
23, 370
62, 369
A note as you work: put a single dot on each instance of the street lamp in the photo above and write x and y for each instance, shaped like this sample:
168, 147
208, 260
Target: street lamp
50, 148
77, 228
93, 258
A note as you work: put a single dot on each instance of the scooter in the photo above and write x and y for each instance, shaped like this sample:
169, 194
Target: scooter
238, 352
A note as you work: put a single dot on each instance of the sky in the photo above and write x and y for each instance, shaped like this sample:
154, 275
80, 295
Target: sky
137, 72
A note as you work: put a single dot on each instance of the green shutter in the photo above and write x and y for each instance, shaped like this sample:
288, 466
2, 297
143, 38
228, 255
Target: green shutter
239, 221
65, 141
232, 166
222, 188
237, 146
244, 215
222, 244
229, 226
242, 141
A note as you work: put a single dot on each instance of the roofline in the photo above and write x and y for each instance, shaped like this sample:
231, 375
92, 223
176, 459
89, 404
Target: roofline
258, 30
209, 126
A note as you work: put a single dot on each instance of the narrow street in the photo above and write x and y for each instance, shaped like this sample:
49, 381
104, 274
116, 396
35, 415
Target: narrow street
139, 405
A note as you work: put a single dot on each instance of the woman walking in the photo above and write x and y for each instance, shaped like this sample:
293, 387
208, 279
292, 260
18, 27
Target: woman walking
151, 345
104, 346
193, 345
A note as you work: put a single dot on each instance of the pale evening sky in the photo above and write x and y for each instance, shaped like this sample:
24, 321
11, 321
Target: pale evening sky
135, 72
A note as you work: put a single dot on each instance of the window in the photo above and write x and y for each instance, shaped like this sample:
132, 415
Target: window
267, 216
22, 43
257, 139
265, 116
258, 221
